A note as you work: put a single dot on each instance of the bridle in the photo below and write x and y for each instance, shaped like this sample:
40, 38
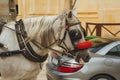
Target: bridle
62, 43
68, 25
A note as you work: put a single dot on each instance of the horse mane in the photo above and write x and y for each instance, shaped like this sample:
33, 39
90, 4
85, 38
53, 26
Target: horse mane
40, 28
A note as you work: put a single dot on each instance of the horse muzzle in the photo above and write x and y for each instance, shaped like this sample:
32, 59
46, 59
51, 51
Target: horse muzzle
83, 53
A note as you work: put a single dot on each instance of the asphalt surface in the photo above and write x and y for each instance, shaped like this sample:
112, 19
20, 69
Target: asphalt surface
42, 74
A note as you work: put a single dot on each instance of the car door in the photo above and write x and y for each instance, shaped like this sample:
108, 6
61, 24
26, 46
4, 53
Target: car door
115, 57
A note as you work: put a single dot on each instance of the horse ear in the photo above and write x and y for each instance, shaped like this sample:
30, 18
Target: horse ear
74, 11
70, 14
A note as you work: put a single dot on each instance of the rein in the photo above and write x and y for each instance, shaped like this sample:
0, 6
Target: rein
25, 48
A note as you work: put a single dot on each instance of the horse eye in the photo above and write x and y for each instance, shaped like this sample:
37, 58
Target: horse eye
75, 35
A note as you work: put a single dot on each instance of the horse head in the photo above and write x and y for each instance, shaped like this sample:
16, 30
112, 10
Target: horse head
72, 39
64, 31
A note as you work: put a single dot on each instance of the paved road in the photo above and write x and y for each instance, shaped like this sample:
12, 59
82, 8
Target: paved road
42, 74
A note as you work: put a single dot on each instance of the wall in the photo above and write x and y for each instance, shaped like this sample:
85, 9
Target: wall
100, 11
109, 11
88, 10
30, 8
7, 10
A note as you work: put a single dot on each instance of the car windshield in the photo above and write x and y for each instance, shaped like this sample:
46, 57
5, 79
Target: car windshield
95, 49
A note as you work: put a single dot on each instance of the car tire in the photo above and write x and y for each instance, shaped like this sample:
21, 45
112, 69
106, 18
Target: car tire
102, 77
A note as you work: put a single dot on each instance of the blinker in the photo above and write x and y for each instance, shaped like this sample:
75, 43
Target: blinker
84, 45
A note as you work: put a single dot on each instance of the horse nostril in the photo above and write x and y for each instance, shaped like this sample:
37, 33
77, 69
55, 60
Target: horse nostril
77, 58
87, 58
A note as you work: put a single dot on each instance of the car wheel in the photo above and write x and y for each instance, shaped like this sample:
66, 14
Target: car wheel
102, 77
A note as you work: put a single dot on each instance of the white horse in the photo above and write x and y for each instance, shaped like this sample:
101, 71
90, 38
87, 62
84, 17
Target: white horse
25, 44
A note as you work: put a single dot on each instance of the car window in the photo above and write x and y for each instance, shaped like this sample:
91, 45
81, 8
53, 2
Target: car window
115, 51
95, 49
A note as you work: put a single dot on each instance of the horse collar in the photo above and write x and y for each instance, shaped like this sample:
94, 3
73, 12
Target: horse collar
29, 53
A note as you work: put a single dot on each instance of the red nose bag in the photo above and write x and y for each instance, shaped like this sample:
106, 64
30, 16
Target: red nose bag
84, 45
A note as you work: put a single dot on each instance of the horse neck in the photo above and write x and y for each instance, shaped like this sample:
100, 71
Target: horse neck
41, 29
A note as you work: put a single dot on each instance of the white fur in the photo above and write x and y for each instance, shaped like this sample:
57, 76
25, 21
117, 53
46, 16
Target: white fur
41, 29
8, 37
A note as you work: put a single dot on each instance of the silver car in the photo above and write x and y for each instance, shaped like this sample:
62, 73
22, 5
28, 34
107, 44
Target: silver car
104, 65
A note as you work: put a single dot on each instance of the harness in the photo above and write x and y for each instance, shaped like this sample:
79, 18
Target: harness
25, 48
27, 51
